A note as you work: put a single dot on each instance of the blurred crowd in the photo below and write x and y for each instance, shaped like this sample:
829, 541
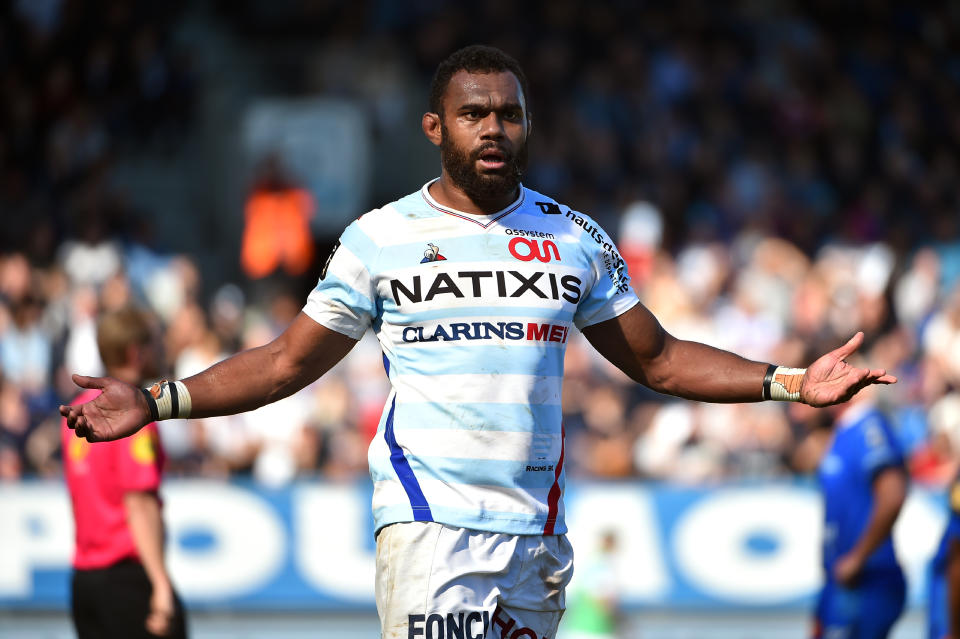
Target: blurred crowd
776, 176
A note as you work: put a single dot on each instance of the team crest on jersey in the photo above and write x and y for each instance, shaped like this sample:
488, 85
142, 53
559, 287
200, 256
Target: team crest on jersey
79, 448
142, 448
432, 254
874, 436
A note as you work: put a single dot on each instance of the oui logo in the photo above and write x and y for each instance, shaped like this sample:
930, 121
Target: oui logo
526, 250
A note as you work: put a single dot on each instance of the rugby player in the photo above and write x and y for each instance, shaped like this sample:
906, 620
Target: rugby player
864, 484
472, 285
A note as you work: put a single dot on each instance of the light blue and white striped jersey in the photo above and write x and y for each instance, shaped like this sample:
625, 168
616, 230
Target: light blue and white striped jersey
473, 314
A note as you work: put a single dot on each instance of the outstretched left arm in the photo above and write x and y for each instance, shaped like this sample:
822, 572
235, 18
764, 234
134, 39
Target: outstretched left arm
638, 345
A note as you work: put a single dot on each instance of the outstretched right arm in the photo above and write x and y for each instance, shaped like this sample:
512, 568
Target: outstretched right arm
250, 379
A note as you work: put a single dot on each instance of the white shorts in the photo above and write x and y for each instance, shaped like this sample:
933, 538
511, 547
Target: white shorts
439, 582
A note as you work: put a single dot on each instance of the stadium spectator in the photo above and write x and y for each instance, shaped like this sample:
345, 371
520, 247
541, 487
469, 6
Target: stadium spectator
471, 527
25, 349
844, 129
935, 461
121, 587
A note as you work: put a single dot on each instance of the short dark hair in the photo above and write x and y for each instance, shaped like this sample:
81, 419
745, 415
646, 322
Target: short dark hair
476, 58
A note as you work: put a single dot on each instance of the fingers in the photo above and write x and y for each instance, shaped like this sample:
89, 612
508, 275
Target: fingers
89, 382
874, 376
77, 421
71, 413
850, 347
81, 427
880, 376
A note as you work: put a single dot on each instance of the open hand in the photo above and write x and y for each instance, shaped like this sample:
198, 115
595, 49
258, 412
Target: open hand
120, 410
831, 380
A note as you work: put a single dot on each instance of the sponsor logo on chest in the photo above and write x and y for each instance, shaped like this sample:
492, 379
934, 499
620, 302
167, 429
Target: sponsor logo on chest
456, 331
483, 283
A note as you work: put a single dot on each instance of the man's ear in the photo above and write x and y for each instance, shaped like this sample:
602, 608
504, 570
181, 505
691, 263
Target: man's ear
431, 128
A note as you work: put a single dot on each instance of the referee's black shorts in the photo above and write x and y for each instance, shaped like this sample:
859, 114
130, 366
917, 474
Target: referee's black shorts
113, 602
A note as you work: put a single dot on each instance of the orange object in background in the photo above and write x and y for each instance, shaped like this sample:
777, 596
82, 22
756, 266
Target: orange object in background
277, 232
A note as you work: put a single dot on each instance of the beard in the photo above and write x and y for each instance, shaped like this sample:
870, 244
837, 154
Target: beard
461, 166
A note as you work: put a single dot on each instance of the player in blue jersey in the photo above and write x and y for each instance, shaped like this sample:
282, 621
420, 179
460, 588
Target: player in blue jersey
864, 484
944, 590
472, 286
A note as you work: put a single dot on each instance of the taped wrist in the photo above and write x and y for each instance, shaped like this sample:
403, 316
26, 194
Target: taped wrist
151, 404
168, 400
782, 383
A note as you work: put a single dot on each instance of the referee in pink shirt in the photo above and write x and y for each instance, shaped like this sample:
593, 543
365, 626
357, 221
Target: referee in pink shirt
121, 587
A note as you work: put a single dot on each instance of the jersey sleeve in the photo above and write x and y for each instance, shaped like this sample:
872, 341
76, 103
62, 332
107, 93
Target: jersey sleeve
344, 299
611, 294
880, 448
139, 460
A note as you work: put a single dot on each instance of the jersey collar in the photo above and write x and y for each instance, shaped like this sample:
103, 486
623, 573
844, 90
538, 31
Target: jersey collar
481, 219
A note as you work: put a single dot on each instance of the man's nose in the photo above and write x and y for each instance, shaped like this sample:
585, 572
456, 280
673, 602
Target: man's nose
492, 126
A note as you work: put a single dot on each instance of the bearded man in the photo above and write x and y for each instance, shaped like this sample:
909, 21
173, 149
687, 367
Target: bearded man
472, 285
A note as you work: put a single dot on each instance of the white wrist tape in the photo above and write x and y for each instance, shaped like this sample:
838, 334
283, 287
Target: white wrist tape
782, 383
171, 400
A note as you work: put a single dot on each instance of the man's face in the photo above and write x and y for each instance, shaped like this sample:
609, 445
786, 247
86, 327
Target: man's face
484, 130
